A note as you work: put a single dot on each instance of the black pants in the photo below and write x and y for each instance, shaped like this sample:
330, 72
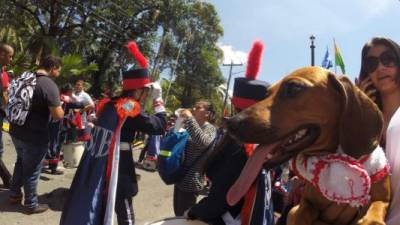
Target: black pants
124, 211
56, 139
4, 173
127, 188
183, 201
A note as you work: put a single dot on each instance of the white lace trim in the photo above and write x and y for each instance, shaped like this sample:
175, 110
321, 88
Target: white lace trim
341, 178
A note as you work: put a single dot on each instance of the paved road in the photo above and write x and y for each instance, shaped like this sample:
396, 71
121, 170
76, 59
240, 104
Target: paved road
153, 202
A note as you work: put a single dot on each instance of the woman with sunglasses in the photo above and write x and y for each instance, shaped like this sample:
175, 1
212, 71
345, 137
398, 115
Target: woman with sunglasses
380, 79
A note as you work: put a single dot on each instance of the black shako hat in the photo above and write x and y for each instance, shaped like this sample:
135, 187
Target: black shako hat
137, 77
247, 90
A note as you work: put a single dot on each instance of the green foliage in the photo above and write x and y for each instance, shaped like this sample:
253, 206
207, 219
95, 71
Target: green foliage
72, 64
170, 93
176, 35
197, 69
74, 69
21, 63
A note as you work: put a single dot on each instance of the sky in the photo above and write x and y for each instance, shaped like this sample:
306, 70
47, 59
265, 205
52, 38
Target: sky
285, 27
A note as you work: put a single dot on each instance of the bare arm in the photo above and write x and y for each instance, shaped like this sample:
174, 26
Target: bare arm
5, 97
88, 107
56, 112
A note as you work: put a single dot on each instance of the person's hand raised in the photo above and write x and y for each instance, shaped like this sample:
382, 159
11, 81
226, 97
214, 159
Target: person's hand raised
186, 113
367, 87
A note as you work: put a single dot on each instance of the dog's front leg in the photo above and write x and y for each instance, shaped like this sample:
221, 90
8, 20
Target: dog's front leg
302, 214
380, 198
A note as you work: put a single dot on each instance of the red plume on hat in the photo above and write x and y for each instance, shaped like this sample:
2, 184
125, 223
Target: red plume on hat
135, 78
254, 60
139, 57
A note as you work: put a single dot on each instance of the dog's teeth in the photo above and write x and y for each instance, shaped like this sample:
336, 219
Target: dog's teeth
302, 132
269, 156
298, 136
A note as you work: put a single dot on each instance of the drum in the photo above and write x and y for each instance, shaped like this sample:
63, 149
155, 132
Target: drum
177, 221
73, 153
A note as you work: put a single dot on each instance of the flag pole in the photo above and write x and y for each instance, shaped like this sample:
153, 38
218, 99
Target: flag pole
334, 50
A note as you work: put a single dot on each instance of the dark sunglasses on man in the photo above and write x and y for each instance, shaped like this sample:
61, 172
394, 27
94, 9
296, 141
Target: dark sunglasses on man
387, 58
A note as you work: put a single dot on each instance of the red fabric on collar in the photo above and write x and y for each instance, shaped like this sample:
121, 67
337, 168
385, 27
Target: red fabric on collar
242, 103
134, 83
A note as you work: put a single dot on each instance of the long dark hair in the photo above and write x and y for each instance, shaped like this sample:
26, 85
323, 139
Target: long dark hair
374, 42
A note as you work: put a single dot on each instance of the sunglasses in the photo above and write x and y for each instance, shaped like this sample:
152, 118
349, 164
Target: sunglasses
387, 58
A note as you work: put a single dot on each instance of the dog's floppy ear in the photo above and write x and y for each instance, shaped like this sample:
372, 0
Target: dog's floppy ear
361, 121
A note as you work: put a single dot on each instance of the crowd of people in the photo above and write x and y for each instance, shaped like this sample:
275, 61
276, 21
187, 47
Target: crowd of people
71, 113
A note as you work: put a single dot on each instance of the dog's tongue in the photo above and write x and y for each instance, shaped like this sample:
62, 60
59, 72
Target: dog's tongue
249, 173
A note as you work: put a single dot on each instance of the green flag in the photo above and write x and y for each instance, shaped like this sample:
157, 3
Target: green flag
339, 58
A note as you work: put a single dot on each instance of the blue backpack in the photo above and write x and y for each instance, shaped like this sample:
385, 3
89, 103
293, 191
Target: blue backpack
171, 157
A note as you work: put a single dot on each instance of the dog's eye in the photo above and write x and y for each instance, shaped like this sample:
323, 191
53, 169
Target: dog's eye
291, 89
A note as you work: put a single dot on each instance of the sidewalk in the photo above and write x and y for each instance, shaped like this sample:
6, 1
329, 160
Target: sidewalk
153, 202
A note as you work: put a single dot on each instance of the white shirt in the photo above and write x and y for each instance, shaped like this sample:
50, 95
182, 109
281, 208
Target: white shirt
393, 156
83, 97
86, 100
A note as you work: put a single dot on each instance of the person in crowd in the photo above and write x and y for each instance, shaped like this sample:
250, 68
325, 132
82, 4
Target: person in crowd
201, 134
58, 128
31, 140
127, 179
6, 55
81, 96
226, 162
107, 92
380, 79
136, 85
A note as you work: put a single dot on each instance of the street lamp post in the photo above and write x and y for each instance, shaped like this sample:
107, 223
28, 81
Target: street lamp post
312, 46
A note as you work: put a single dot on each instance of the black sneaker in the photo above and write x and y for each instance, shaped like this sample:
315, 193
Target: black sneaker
37, 209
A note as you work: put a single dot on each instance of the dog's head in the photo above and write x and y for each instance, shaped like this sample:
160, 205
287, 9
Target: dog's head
311, 111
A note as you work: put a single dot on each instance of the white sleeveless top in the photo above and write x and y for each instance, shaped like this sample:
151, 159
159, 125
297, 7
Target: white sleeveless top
393, 156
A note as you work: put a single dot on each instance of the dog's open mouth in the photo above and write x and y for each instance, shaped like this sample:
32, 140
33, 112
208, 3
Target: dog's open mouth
295, 142
269, 156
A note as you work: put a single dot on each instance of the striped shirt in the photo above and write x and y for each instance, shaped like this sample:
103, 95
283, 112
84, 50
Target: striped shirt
200, 137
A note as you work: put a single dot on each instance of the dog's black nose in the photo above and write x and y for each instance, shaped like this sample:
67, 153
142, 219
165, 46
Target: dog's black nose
233, 123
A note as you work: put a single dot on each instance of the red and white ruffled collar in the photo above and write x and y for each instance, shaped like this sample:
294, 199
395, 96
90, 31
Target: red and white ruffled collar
340, 177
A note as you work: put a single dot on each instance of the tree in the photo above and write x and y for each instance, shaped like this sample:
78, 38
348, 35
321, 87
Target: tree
96, 30
198, 72
74, 67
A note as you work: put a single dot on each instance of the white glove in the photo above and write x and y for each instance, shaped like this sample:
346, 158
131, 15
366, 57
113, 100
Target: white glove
156, 94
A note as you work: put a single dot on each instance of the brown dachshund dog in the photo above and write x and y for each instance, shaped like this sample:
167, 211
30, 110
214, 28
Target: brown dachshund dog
313, 113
